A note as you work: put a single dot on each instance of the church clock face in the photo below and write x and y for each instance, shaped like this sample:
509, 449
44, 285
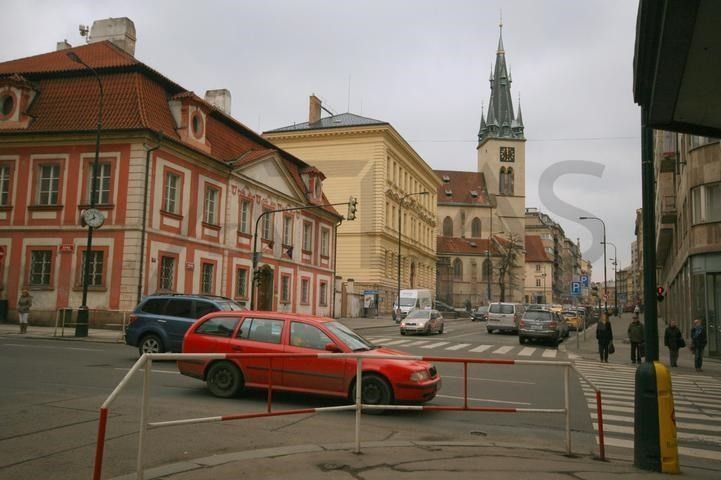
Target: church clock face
508, 154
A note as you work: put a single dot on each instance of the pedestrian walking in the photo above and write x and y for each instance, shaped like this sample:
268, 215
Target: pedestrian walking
636, 337
673, 339
24, 303
604, 335
636, 311
698, 343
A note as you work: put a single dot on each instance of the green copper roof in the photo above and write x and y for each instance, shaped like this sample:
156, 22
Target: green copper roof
500, 121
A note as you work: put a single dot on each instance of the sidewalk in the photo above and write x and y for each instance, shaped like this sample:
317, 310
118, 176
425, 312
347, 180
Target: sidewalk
588, 348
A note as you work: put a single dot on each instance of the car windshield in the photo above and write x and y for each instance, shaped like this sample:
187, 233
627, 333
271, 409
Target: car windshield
423, 314
408, 301
230, 307
537, 315
569, 314
353, 340
501, 308
482, 309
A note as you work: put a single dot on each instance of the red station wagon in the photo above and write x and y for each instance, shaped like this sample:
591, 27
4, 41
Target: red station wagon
385, 381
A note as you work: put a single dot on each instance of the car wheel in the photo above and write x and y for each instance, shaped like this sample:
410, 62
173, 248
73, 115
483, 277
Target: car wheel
443, 326
403, 332
427, 331
376, 391
522, 340
489, 330
151, 343
224, 380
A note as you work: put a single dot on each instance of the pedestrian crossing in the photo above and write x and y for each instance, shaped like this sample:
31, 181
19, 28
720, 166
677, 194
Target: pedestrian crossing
524, 352
697, 404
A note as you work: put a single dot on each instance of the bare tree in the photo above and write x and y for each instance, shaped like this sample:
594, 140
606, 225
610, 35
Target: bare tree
510, 250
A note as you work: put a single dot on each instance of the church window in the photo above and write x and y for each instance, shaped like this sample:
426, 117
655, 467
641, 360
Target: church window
447, 227
476, 227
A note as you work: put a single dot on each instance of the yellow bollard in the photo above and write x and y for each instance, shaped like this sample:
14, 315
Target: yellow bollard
668, 444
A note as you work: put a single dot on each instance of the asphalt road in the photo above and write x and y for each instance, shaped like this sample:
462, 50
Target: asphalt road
52, 392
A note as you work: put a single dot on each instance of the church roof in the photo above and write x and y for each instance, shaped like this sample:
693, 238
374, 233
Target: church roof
467, 188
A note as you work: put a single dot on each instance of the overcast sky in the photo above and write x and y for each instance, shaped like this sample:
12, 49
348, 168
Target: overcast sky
421, 65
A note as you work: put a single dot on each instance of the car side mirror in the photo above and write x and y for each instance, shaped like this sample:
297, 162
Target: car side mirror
332, 347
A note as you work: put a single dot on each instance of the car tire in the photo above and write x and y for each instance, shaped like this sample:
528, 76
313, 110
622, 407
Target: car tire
376, 391
224, 380
151, 343
403, 332
489, 330
522, 340
440, 330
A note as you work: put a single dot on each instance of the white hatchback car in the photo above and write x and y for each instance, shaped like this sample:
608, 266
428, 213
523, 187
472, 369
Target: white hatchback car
423, 321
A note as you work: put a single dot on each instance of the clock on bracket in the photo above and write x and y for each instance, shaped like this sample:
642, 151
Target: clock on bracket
93, 218
508, 154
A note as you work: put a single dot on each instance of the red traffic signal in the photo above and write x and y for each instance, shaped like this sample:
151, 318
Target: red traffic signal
660, 293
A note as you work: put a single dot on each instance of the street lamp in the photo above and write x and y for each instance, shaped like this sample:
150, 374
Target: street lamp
489, 269
605, 282
400, 217
615, 275
93, 218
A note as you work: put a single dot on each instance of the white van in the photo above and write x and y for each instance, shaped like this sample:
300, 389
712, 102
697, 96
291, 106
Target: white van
414, 299
504, 317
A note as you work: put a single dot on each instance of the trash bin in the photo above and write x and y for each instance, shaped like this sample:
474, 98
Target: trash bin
3, 311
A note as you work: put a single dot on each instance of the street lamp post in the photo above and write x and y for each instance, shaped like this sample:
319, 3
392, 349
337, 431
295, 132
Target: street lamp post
81, 327
400, 219
543, 275
489, 269
615, 275
605, 281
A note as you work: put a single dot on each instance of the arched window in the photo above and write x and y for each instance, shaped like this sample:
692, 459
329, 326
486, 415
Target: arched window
474, 270
476, 227
486, 268
457, 269
509, 181
447, 227
502, 181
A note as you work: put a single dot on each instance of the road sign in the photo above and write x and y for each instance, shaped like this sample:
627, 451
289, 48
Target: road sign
584, 280
575, 288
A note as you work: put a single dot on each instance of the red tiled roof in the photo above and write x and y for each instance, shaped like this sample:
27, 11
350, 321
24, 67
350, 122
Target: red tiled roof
98, 55
453, 245
459, 187
534, 250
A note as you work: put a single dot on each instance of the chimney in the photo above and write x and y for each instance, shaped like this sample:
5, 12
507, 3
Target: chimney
220, 99
314, 110
120, 31
62, 45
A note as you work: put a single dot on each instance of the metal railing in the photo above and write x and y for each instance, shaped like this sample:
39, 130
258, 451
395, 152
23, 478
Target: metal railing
145, 363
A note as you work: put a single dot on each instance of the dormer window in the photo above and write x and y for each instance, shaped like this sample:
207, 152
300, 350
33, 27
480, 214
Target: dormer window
7, 105
196, 124
318, 188
16, 96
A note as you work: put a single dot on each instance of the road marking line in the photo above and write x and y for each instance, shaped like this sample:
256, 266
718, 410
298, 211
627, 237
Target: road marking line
52, 347
614, 408
691, 437
480, 348
459, 346
152, 370
379, 340
417, 343
483, 400
434, 345
503, 350
490, 380
679, 425
526, 352
549, 353
396, 342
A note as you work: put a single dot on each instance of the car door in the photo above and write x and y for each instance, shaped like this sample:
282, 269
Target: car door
214, 335
259, 335
177, 320
310, 374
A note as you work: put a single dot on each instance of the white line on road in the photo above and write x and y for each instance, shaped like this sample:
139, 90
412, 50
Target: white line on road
483, 400
459, 346
490, 380
691, 437
502, 350
526, 352
688, 452
152, 370
417, 343
434, 345
549, 353
51, 347
396, 342
679, 425
379, 340
480, 348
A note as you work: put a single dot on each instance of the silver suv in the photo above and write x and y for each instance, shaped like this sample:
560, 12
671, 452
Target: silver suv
544, 325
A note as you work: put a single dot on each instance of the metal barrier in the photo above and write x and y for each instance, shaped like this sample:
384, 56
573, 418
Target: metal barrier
145, 362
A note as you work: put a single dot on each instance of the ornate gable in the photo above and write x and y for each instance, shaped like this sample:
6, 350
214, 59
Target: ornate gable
16, 96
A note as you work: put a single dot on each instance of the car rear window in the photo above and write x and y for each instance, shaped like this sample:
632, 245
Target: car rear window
155, 306
500, 308
178, 307
537, 315
261, 330
218, 327
419, 314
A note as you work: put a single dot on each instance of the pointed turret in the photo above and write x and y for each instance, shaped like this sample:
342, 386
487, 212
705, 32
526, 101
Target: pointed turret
500, 121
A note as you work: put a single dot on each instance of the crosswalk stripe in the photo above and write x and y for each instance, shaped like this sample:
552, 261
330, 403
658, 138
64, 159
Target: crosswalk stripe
526, 352
616, 408
396, 342
434, 345
459, 346
417, 343
549, 354
379, 340
480, 348
679, 425
685, 451
691, 437
503, 350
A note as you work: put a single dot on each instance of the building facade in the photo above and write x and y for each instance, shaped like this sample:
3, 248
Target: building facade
539, 272
179, 182
396, 192
688, 231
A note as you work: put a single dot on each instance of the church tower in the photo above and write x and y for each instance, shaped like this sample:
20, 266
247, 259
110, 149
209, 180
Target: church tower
501, 149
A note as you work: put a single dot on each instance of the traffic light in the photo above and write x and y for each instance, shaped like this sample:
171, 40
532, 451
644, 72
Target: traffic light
594, 290
352, 206
660, 293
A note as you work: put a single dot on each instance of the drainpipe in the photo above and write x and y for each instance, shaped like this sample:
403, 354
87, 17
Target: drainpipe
335, 257
145, 214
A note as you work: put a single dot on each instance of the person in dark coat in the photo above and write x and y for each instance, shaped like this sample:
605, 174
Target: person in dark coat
698, 343
604, 335
673, 339
636, 337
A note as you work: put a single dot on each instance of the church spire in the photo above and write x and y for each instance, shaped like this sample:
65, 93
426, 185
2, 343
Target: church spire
500, 121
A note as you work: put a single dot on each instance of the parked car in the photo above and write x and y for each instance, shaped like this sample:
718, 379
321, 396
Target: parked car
573, 319
504, 317
385, 381
545, 325
480, 314
423, 321
159, 322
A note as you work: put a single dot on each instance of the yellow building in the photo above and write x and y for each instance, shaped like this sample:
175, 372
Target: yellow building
369, 159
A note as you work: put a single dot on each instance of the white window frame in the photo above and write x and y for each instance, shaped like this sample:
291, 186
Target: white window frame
244, 220
287, 230
4, 185
48, 184
102, 193
210, 206
97, 263
324, 242
171, 200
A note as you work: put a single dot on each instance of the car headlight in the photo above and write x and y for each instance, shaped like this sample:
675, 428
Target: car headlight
421, 376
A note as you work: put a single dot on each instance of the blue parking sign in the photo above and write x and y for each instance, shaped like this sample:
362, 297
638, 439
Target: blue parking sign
584, 281
575, 288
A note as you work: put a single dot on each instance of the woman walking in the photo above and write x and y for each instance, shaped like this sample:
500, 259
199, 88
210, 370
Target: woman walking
24, 303
698, 343
604, 335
